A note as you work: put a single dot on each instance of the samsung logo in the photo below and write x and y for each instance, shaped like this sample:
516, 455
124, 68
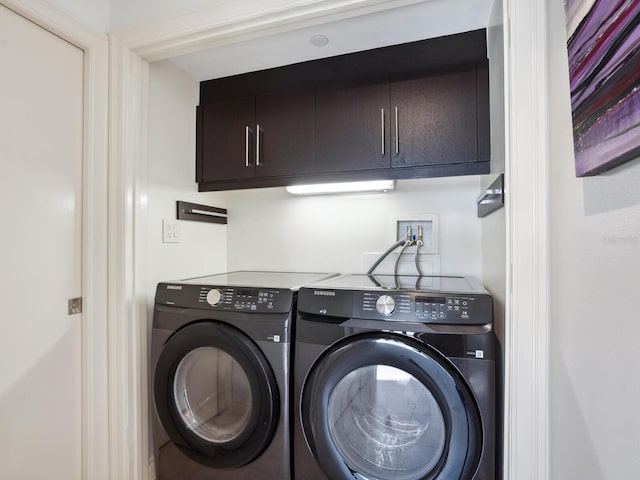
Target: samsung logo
174, 287
324, 293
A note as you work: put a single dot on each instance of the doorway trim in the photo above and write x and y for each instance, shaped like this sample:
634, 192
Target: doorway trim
526, 343
95, 408
526, 416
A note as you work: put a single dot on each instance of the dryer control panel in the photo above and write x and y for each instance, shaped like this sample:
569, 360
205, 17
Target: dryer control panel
238, 299
398, 305
421, 307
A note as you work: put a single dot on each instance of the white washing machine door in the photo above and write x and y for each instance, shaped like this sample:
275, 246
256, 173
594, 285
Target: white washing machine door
387, 407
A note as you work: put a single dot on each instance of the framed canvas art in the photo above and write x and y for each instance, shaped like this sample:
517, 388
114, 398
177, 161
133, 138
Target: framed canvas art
603, 43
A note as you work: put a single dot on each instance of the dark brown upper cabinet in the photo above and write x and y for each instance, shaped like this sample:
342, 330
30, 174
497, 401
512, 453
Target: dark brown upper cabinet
268, 135
228, 139
436, 119
407, 111
284, 125
352, 128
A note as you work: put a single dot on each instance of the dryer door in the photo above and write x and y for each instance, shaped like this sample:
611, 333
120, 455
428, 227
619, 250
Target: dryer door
387, 407
216, 395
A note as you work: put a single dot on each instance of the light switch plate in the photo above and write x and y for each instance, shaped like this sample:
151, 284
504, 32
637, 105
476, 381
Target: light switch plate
170, 231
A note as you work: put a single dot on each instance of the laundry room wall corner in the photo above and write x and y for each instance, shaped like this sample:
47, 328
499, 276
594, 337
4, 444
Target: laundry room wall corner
202, 247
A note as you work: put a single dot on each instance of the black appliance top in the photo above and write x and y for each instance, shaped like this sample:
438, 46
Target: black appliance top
414, 283
259, 279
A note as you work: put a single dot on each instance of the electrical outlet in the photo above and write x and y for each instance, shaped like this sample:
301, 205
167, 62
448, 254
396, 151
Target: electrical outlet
170, 231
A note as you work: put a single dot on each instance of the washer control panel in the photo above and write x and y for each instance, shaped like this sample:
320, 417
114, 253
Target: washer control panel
426, 308
238, 299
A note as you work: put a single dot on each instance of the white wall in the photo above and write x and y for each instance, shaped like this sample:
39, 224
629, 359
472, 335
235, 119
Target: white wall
172, 99
272, 230
595, 286
95, 14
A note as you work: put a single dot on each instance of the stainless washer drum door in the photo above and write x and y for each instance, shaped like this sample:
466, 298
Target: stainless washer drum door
216, 395
387, 407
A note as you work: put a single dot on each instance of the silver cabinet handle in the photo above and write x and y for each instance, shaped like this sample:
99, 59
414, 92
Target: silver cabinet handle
258, 145
397, 134
246, 146
382, 128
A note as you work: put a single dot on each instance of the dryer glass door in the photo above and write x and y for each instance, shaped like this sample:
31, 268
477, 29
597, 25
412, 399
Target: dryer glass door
383, 420
385, 406
213, 394
216, 395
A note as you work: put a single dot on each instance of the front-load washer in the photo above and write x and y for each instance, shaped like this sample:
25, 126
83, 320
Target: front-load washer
220, 363
394, 379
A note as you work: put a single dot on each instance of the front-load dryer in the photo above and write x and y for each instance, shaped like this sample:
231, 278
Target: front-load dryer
394, 380
220, 363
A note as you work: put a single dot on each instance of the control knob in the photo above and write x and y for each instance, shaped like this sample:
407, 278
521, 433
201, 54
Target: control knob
385, 305
213, 297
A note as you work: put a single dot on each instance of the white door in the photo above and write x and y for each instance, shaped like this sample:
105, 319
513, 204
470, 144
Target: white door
41, 122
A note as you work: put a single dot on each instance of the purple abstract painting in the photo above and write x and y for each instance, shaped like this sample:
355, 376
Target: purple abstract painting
604, 73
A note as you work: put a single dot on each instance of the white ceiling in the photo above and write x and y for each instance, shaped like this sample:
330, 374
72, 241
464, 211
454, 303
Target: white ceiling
429, 19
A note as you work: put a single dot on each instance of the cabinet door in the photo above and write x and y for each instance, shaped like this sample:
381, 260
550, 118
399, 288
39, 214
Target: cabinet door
436, 121
228, 139
284, 122
352, 128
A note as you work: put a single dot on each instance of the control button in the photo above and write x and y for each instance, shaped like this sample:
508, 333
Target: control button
213, 297
385, 305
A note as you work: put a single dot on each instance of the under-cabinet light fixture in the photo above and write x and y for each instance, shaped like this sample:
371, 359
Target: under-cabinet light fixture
348, 187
